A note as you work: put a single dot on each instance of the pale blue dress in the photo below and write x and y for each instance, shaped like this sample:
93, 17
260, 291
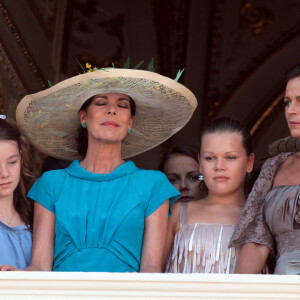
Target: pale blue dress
100, 217
15, 246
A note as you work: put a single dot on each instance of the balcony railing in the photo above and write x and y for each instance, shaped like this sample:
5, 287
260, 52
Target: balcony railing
57, 285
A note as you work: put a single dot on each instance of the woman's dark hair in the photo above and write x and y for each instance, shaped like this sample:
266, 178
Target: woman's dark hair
183, 149
82, 139
20, 201
293, 73
230, 125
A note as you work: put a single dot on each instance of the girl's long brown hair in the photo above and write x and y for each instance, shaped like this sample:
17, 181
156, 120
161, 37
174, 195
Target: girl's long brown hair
21, 203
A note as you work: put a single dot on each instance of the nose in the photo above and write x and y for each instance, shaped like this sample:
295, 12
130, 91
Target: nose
219, 164
3, 172
183, 186
111, 110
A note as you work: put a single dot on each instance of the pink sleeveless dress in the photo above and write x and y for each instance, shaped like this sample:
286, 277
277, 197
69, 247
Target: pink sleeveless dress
202, 248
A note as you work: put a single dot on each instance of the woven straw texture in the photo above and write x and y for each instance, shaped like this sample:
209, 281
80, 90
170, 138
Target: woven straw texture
50, 118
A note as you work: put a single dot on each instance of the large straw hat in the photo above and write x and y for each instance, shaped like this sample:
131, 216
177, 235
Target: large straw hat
50, 118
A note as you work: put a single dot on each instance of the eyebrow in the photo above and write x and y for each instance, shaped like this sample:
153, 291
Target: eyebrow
14, 155
287, 97
209, 152
105, 97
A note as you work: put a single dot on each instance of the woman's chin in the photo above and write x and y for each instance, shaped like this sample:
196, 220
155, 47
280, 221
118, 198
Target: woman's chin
295, 133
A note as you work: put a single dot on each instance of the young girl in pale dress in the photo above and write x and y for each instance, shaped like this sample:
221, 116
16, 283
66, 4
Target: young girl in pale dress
15, 208
199, 231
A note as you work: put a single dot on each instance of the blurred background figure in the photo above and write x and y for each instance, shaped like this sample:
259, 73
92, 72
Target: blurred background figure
181, 166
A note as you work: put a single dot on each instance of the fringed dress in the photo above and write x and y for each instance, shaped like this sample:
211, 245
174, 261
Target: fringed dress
202, 248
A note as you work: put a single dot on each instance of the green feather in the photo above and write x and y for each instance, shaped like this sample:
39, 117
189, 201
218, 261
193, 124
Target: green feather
138, 65
178, 75
126, 66
151, 65
80, 65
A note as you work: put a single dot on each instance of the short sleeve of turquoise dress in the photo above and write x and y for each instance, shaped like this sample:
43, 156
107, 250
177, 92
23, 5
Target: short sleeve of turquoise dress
100, 217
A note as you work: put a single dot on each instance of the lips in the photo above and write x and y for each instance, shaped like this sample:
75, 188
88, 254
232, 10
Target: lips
110, 123
221, 178
293, 123
5, 185
185, 198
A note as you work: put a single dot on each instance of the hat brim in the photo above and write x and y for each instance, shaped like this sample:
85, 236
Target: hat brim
50, 118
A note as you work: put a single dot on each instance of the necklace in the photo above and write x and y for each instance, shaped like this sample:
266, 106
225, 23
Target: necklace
6, 220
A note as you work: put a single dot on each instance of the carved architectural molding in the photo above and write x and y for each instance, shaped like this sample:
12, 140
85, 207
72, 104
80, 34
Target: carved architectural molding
11, 72
96, 34
255, 19
32, 65
236, 53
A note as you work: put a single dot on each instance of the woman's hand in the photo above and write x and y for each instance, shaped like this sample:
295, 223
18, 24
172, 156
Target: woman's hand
9, 268
154, 240
252, 259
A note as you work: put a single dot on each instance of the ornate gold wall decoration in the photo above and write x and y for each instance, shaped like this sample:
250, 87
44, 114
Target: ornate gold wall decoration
249, 55
12, 74
255, 19
21, 44
91, 21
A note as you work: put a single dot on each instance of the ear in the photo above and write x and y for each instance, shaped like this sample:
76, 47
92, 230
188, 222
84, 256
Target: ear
250, 162
82, 116
130, 122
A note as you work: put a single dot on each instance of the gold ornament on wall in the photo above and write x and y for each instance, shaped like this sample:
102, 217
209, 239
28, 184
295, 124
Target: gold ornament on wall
255, 19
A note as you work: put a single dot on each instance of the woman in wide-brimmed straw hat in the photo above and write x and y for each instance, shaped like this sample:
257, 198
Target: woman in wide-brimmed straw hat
102, 213
270, 222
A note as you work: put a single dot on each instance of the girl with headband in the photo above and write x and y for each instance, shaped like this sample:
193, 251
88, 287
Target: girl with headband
15, 208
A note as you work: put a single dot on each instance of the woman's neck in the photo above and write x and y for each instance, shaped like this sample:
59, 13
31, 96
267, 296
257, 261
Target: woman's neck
237, 198
102, 158
6, 205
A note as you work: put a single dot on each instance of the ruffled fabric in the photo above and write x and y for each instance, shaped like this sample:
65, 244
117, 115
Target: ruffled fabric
252, 226
202, 248
282, 212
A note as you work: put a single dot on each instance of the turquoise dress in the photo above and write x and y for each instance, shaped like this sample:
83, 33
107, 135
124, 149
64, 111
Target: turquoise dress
100, 217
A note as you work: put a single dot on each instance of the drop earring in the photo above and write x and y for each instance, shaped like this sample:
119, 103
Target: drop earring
84, 125
201, 177
128, 130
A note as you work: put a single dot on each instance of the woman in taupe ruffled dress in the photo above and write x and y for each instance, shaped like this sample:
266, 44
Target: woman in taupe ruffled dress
270, 222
